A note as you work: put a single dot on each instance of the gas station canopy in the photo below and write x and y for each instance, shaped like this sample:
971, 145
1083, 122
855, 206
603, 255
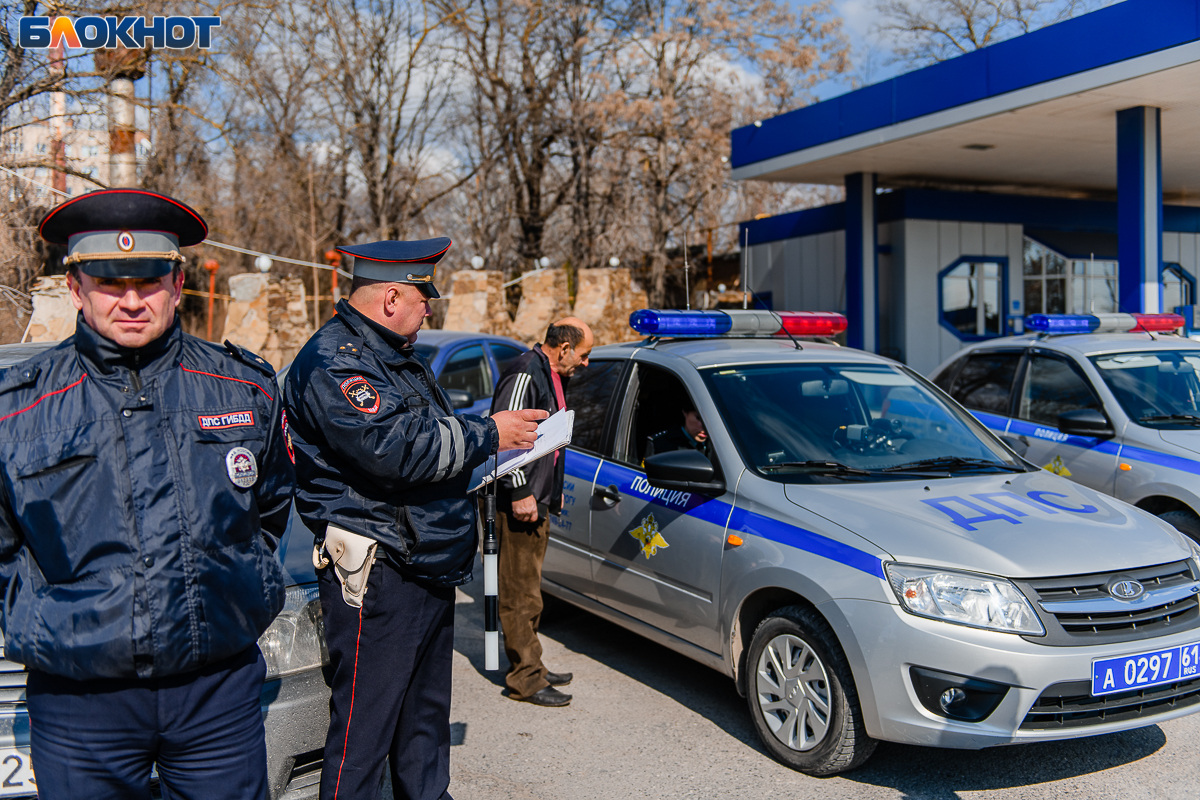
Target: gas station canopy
1034, 114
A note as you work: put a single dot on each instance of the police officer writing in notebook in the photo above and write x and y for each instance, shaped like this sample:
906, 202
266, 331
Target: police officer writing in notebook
383, 467
145, 486
526, 498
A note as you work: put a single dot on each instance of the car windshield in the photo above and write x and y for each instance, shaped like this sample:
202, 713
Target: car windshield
798, 423
1158, 389
426, 351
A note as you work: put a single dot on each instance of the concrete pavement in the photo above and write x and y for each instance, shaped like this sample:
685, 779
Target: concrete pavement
646, 722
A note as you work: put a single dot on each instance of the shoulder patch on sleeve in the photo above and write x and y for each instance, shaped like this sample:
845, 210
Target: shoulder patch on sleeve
250, 359
350, 346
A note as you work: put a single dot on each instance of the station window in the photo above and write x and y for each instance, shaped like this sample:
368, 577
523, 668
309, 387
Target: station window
1055, 284
972, 298
1045, 280
1179, 288
1093, 286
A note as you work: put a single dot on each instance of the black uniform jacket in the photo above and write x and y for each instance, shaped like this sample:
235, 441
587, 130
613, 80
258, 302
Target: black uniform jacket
527, 384
142, 496
380, 452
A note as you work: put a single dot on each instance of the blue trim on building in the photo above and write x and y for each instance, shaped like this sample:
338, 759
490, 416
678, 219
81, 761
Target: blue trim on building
1034, 212
1117, 33
1003, 310
862, 270
1136, 192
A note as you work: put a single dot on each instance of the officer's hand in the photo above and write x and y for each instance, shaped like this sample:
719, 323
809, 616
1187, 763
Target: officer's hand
518, 429
525, 509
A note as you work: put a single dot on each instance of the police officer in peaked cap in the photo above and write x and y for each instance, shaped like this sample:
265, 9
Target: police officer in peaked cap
383, 469
145, 482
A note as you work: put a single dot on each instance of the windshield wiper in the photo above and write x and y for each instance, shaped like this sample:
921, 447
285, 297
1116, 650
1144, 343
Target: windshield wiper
952, 463
1190, 419
818, 467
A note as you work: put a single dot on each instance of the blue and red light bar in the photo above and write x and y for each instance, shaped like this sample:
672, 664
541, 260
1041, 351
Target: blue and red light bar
705, 324
1103, 323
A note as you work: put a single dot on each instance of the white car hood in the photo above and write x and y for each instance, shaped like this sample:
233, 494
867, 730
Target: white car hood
1019, 525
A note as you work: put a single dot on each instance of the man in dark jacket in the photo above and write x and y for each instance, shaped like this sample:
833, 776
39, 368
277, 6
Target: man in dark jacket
383, 467
526, 499
145, 486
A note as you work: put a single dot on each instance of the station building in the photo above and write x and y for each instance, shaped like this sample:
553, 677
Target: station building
1057, 172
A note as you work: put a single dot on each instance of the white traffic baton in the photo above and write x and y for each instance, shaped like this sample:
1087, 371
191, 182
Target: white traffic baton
491, 580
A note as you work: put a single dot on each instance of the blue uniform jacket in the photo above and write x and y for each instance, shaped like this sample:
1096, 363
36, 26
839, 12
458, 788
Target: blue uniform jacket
127, 546
380, 452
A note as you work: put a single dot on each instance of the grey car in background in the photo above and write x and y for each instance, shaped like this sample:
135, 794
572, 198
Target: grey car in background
295, 699
863, 557
1119, 412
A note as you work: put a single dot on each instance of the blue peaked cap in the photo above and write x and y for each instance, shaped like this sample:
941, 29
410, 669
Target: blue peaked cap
399, 262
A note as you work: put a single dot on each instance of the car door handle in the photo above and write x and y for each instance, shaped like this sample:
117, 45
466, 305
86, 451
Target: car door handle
610, 493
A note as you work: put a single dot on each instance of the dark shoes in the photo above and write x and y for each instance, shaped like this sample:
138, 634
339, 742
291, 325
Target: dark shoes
559, 678
547, 697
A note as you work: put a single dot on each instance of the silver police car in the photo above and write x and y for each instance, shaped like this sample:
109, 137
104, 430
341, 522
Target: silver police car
860, 554
1084, 397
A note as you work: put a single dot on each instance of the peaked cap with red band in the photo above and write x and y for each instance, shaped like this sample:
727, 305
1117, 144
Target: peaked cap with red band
123, 233
400, 262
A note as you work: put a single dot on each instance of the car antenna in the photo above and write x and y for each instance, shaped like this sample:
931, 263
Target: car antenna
775, 314
745, 266
687, 292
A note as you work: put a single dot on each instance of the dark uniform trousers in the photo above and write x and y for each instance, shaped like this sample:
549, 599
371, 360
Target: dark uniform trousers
99, 738
390, 666
522, 550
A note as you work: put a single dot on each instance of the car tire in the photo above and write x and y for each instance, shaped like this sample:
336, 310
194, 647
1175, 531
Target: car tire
1185, 522
810, 720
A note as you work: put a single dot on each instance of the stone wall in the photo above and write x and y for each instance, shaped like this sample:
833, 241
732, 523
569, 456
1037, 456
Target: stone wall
53, 316
267, 316
605, 299
477, 303
544, 299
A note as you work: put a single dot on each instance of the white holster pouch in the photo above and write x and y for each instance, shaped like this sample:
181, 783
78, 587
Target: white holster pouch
352, 556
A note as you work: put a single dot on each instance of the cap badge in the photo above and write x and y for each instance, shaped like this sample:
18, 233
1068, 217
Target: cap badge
242, 468
125, 241
361, 394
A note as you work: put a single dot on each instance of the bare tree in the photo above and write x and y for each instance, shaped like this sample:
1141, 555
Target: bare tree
927, 31
682, 85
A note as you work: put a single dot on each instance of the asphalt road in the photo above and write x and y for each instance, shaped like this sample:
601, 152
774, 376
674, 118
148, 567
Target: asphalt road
646, 722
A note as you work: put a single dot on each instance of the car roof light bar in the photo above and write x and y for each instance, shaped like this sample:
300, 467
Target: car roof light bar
1102, 323
744, 323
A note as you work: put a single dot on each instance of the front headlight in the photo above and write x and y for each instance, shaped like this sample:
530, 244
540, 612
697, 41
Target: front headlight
980, 601
1195, 552
296, 639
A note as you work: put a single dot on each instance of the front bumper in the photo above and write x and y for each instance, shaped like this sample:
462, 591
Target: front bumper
890, 642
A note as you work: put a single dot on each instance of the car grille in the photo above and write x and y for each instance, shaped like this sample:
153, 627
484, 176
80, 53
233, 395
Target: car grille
12, 683
1071, 705
1078, 609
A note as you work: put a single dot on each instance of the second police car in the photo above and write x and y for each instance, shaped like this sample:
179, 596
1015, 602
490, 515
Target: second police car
862, 556
1111, 401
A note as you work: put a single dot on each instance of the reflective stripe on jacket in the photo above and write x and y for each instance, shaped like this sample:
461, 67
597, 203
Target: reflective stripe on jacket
142, 498
380, 452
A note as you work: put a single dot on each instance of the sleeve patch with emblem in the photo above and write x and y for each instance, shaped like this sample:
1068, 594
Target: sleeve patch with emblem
361, 394
236, 419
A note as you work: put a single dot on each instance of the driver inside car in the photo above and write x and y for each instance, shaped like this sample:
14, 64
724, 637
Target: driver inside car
691, 435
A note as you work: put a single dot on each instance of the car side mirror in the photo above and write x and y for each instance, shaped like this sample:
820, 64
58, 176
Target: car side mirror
1019, 447
683, 470
460, 398
1085, 422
